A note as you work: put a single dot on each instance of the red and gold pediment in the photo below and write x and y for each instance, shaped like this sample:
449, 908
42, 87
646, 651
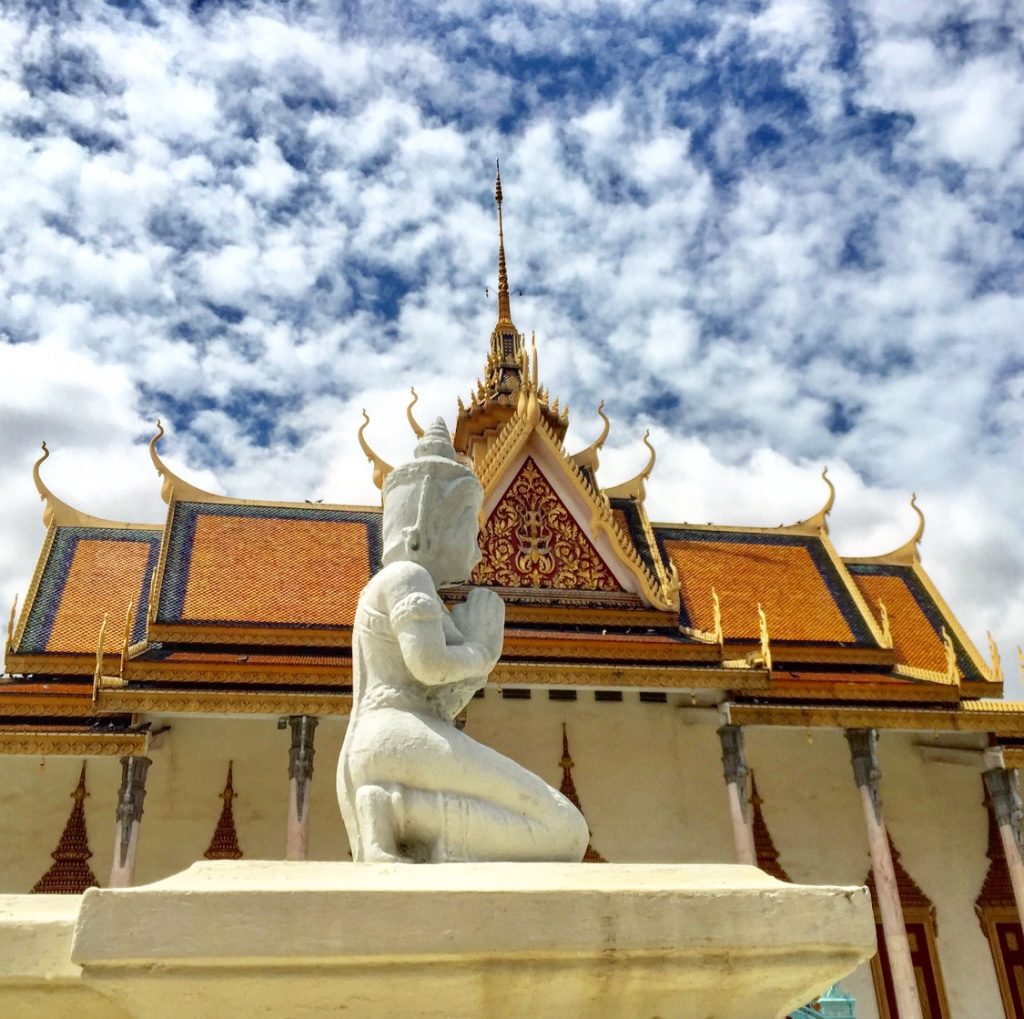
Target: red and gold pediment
532, 540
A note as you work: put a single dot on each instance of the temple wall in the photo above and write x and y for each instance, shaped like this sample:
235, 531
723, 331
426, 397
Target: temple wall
648, 775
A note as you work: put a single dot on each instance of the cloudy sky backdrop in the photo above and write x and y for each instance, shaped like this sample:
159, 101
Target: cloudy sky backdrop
779, 234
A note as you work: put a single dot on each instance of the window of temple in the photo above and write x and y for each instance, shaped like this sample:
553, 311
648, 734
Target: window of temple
997, 912
919, 917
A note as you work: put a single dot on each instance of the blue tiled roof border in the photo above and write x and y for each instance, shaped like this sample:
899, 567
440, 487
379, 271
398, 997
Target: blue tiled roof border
925, 603
43, 612
823, 562
181, 536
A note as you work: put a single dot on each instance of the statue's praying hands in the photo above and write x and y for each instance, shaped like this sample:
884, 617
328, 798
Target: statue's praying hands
411, 786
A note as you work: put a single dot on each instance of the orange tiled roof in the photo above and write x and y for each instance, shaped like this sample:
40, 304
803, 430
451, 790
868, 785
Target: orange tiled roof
791, 576
914, 619
89, 571
265, 565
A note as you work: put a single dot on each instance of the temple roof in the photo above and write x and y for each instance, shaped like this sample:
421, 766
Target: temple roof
246, 605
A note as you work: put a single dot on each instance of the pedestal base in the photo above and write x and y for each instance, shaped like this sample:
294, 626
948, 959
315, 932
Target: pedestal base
474, 940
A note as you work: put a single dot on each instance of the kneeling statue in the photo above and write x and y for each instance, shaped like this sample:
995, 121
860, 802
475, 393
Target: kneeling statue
412, 787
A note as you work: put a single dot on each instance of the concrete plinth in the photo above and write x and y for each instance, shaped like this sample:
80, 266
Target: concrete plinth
475, 940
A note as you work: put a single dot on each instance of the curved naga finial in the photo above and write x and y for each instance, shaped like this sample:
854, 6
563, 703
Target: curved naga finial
381, 468
587, 458
818, 522
57, 511
408, 413
173, 486
634, 488
907, 554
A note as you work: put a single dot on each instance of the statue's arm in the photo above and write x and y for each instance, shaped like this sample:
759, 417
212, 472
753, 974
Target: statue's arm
417, 618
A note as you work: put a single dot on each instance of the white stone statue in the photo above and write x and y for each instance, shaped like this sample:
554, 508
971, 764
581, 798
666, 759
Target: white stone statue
412, 787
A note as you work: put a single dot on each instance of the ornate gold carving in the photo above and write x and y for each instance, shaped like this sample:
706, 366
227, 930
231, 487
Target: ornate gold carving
532, 540
762, 629
997, 662
952, 669
652, 676
224, 702
970, 716
883, 613
9, 646
72, 744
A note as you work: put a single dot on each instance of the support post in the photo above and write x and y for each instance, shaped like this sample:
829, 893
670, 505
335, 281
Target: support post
1004, 791
300, 774
129, 817
867, 775
734, 765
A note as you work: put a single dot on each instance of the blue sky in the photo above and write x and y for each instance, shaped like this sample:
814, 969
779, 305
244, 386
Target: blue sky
779, 234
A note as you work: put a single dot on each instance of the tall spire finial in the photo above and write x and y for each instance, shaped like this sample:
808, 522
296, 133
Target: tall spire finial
504, 305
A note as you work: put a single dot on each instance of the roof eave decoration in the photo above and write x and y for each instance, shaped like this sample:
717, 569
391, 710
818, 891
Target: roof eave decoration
907, 554
586, 459
817, 523
174, 489
57, 513
634, 488
381, 468
528, 421
413, 423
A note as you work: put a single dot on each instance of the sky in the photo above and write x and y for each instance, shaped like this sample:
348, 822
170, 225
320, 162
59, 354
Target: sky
779, 234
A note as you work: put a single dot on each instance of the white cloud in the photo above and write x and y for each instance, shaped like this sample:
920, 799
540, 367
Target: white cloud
774, 260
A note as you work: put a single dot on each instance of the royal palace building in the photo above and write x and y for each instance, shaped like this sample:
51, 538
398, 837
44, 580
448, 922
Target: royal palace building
708, 693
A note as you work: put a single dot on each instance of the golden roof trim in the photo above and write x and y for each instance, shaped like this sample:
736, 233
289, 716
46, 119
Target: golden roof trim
1007, 719
381, 468
817, 523
260, 636
652, 676
175, 489
907, 554
58, 513
73, 744
634, 488
270, 674
587, 459
513, 437
48, 705
413, 423
224, 702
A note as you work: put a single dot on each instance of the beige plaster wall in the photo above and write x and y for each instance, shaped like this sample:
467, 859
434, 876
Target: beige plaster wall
648, 775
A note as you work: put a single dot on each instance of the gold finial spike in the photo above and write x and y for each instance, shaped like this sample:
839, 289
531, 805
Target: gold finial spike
408, 413
886, 631
1020, 660
533, 355
10, 624
97, 675
952, 671
127, 635
381, 468
634, 488
762, 626
997, 662
44, 493
719, 632
504, 305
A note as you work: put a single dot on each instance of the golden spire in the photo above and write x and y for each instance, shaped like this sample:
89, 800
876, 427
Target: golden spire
504, 305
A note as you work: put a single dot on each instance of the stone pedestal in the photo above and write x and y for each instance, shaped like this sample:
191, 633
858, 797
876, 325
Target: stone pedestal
241, 938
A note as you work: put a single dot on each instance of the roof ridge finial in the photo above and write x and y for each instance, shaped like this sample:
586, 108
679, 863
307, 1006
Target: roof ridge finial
504, 304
